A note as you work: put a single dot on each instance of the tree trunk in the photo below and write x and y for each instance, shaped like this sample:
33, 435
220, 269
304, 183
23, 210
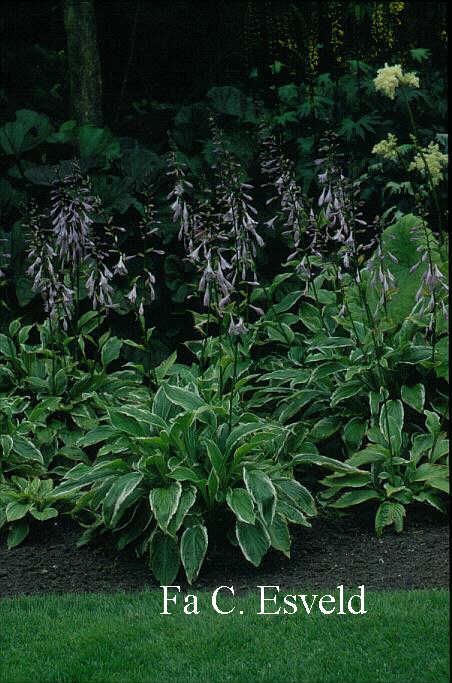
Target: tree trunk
85, 77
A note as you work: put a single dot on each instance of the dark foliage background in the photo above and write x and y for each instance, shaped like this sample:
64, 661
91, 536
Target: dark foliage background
175, 51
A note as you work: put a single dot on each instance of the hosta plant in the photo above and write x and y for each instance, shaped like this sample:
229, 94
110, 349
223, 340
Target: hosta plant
395, 467
168, 478
22, 501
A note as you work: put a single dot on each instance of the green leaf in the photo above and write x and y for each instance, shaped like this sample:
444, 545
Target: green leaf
29, 130
17, 510
440, 484
215, 456
327, 369
279, 535
355, 498
414, 396
432, 422
164, 501
310, 317
120, 497
110, 350
193, 547
396, 239
261, 489
347, 390
325, 428
7, 346
187, 499
241, 504
126, 423
26, 449
213, 484
162, 370
297, 401
43, 515
182, 473
371, 454
392, 417
6, 443
82, 474
389, 513
297, 494
291, 513
228, 100
182, 397
354, 432
286, 303
164, 558
324, 461
18, 532
96, 435
253, 541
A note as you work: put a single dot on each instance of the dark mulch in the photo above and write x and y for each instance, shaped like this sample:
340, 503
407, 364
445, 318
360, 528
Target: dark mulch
335, 551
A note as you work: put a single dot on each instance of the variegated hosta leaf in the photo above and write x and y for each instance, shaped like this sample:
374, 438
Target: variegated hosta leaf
241, 504
121, 495
355, 498
261, 488
389, 513
279, 535
254, 541
297, 494
187, 499
291, 513
164, 501
193, 547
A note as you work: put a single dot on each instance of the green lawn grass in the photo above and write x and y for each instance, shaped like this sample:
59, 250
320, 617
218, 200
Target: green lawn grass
122, 637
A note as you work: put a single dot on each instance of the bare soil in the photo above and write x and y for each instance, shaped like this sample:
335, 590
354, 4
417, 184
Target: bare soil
334, 551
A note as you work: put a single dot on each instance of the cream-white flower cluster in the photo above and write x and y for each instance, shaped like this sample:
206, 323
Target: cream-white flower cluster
435, 160
390, 77
387, 148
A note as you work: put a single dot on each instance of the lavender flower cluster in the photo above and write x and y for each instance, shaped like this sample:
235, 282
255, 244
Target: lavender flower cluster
433, 291
65, 247
218, 229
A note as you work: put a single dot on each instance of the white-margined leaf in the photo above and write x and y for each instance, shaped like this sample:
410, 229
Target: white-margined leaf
164, 501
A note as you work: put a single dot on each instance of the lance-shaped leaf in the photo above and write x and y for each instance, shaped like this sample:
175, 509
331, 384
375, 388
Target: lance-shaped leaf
164, 558
279, 535
260, 487
181, 397
355, 498
215, 456
253, 540
193, 547
96, 435
82, 474
187, 499
241, 505
128, 424
389, 513
291, 513
164, 501
121, 495
297, 494
26, 449
324, 461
